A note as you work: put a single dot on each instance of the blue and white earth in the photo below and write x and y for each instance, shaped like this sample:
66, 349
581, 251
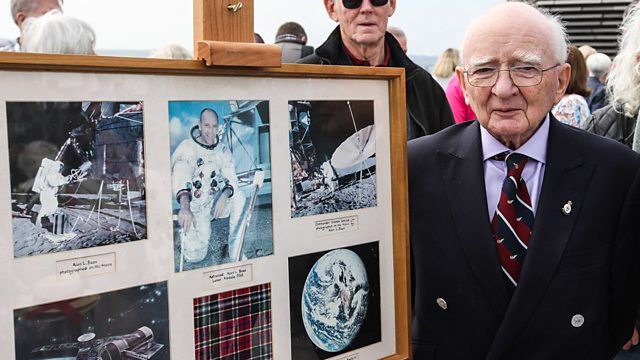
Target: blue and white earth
334, 300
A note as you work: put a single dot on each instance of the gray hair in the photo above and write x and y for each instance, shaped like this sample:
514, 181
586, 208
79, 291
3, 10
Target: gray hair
558, 32
396, 31
25, 6
598, 64
172, 51
559, 35
623, 83
56, 33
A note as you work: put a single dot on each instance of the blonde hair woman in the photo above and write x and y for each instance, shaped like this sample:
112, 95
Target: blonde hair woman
445, 66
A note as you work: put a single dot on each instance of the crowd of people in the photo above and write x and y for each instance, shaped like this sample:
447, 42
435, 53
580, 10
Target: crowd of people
502, 139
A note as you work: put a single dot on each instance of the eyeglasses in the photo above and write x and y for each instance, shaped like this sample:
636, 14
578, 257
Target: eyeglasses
522, 76
355, 4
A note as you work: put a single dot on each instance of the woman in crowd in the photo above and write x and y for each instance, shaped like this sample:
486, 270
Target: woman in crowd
445, 66
618, 119
573, 108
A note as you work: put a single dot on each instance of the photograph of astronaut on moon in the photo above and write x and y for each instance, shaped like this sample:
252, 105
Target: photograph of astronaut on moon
125, 324
220, 182
77, 175
334, 301
333, 146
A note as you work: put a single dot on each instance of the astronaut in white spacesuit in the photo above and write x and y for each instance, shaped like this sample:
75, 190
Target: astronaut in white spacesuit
205, 184
47, 181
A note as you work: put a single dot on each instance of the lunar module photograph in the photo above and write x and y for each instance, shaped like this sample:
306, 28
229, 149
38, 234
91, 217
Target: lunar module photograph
77, 175
333, 160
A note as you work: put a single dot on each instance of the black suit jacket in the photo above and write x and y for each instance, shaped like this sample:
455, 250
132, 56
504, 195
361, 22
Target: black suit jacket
581, 264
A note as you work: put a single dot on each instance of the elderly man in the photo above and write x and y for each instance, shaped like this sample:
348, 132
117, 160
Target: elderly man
21, 10
361, 39
524, 231
400, 36
598, 65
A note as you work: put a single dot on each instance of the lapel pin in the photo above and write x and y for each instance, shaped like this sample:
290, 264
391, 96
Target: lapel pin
442, 303
566, 209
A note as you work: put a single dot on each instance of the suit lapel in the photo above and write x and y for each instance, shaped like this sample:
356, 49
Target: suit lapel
565, 180
463, 176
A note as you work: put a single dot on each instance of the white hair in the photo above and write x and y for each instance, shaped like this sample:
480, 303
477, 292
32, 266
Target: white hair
396, 31
25, 6
623, 83
557, 30
172, 51
598, 64
558, 36
56, 33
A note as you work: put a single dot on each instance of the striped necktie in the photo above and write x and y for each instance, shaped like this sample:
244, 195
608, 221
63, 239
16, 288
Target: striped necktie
513, 221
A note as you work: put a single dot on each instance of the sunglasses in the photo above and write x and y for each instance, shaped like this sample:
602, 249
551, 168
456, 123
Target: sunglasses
354, 4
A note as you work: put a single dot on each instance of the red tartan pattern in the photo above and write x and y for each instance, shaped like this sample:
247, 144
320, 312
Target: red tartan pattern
234, 325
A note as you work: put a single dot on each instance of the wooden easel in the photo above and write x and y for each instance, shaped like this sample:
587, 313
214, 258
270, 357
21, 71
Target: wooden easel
223, 35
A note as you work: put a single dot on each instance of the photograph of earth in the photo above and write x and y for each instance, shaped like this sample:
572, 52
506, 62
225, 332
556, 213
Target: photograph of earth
334, 301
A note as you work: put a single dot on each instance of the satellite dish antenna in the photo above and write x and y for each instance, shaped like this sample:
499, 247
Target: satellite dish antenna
86, 337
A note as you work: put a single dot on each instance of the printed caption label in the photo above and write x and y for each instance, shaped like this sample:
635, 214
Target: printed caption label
228, 277
351, 357
86, 266
336, 226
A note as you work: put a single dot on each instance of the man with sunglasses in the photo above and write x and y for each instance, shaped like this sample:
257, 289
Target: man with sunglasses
361, 40
524, 231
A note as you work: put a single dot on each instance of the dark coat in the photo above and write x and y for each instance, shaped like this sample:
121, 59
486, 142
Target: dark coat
427, 108
598, 96
581, 263
611, 122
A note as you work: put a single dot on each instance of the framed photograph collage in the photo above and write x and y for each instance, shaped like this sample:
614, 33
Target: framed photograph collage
158, 209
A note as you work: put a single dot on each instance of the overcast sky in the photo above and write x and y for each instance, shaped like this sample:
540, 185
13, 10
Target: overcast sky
431, 25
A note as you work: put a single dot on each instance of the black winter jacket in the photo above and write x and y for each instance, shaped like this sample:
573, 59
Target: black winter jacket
611, 122
427, 108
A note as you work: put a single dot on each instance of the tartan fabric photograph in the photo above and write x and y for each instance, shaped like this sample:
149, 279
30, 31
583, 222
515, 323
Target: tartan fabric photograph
234, 325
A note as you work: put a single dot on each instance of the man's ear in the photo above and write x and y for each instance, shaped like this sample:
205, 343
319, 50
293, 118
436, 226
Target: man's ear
20, 18
463, 84
392, 6
330, 6
564, 76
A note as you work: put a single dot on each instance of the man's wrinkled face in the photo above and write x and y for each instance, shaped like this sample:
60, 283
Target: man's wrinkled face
510, 113
365, 25
41, 7
208, 128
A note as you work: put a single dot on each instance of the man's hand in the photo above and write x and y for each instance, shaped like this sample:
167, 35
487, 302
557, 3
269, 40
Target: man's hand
633, 341
221, 205
186, 218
